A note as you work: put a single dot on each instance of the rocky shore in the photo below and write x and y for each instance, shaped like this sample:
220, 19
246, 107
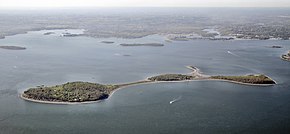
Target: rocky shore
286, 57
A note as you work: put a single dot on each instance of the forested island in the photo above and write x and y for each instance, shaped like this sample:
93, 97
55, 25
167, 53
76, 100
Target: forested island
286, 56
85, 92
247, 79
70, 92
13, 47
171, 77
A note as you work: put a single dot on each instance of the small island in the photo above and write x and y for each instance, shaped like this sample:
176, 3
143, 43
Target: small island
258, 79
49, 33
276, 46
144, 44
71, 35
13, 47
107, 42
286, 57
85, 92
172, 77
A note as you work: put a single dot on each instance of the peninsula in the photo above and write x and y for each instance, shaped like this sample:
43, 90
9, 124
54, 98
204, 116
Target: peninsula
286, 57
85, 92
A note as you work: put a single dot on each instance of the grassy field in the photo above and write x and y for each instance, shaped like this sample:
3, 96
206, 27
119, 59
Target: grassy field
251, 79
171, 77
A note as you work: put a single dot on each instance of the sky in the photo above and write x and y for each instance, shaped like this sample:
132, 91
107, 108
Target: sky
143, 3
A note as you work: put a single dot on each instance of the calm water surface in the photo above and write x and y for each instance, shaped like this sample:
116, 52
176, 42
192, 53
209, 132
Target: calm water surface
204, 106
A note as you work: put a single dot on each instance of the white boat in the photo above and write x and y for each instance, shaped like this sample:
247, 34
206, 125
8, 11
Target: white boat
174, 100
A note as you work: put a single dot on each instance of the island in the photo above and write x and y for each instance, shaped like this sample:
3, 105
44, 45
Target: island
86, 92
144, 44
171, 77
108, 42
286, 57
276, 46
49, 33
258, 79
70, 92
71, 35
13, 47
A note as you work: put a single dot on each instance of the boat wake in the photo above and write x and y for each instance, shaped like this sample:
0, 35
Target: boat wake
175, 100
229, 52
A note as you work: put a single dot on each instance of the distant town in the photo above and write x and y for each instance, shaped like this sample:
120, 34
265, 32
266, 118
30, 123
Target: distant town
179, 26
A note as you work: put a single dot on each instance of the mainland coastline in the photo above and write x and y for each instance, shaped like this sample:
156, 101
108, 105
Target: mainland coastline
85, 92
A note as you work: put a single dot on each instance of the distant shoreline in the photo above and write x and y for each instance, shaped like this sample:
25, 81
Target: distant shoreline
195, 72
133, 37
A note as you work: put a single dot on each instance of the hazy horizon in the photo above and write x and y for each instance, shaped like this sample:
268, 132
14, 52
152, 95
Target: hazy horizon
141, 3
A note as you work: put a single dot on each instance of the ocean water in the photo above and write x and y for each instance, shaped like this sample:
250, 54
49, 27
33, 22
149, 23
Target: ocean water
202, 106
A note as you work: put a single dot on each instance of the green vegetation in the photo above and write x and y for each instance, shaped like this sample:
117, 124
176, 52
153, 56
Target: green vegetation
85, 91
133, 83
171, 77
250, 79
70, 92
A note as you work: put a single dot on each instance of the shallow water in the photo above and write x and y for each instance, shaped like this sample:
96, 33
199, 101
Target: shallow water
204, 107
